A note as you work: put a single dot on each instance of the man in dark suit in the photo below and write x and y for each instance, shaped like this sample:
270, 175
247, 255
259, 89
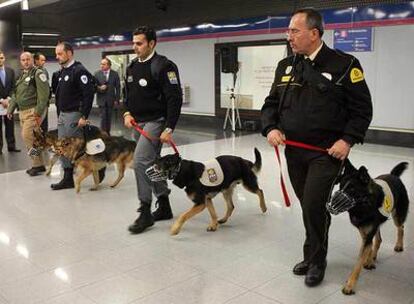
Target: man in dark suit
7, 82
108, 92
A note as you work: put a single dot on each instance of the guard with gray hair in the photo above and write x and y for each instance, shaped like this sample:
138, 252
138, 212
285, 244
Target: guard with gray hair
319, 97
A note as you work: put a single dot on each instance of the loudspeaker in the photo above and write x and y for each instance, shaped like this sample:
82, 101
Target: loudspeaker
229, 63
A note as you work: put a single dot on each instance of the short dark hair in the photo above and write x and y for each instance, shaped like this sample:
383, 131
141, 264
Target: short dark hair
66, 46
314, 19
108, 61
37, 55
148, 32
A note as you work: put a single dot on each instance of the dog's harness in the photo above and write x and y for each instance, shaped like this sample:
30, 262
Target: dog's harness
213, 174
388, 202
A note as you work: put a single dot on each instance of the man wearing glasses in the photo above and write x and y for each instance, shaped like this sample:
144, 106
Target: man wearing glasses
319, 97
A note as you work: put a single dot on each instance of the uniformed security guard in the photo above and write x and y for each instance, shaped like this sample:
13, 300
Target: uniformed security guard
154, 100
319, 97
74, 97
31, 96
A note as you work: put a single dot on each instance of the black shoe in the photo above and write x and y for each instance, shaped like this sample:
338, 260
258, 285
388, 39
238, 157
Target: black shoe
301, 268
163, 211
144, 220
13, 150
315, 274
66, 182
36, 170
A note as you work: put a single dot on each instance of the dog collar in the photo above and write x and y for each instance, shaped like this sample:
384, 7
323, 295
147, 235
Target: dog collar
388, 202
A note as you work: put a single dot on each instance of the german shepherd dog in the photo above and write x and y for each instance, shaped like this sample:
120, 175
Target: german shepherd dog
188, 174
46, 142
118, 150
373, 199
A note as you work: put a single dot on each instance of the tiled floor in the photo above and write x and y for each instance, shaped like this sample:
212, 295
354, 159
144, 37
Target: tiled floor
63, 247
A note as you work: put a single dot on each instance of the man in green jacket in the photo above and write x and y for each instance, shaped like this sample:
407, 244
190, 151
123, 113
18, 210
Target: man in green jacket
31, 96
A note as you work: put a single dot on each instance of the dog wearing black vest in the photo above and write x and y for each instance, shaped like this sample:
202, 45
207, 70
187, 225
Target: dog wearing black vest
203, 181
371, 202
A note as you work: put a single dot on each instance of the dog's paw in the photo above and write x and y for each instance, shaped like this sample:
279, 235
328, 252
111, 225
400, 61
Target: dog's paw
370, 266
112, 185
93, 189
175, 229
398, 248
212, 227
348, 291
222, 221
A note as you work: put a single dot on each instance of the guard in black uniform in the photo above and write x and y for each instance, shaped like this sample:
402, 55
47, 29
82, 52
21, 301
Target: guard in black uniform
74, 96
319, 97
154, 100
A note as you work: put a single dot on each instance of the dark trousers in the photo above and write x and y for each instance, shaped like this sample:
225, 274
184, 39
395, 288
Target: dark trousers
106, 115
9, 126
312, 175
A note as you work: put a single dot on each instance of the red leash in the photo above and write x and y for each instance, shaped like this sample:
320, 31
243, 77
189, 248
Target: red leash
298, 145
151, 138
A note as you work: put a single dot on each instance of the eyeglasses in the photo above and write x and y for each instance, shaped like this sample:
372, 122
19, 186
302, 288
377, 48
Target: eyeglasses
294, 31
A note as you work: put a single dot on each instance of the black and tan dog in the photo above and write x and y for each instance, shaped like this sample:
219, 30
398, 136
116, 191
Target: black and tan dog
373, 200
202, 181
46, 142
118, 150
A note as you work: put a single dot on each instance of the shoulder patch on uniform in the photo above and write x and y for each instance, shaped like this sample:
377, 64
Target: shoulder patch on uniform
84, 79
286, 78
356, 75
43, 77
172, 77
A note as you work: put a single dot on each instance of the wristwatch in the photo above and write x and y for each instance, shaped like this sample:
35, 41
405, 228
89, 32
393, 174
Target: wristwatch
168, 130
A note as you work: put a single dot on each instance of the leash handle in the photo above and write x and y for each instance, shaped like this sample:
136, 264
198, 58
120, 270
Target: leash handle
151, 138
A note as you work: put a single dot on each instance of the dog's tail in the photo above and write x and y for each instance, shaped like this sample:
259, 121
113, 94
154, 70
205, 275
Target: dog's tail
399, 169
258, 161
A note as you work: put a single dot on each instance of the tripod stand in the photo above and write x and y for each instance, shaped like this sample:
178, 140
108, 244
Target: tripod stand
234, 116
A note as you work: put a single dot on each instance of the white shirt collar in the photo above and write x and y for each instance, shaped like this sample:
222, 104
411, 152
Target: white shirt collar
313, 55
148, 58
69, 63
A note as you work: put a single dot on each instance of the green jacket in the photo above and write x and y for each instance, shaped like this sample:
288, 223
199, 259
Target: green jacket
31, 91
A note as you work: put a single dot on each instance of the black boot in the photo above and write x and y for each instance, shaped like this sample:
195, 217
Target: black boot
144, 220
163, 211
66, 182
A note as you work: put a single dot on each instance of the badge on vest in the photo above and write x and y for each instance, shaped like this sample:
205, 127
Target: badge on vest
172, 77
130, 78
388, 202
27, 79
356, 75
143, 82
213, 174
288, 69
66, 78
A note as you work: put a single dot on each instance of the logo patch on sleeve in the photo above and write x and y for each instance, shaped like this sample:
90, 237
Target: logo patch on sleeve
43, 77
84, 79
172, 77
356, 75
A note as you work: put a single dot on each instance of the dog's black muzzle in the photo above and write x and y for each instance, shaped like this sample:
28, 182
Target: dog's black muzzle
340, 202
34, 152
157, 175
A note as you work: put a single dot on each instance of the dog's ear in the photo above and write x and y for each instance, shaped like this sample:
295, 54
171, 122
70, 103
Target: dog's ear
349, 168
363, 175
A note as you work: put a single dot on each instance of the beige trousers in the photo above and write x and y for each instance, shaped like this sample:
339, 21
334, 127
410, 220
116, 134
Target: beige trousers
28, 123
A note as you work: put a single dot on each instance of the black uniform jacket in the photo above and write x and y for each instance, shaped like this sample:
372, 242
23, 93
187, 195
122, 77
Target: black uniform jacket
318, 102
74, 90
154, 90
